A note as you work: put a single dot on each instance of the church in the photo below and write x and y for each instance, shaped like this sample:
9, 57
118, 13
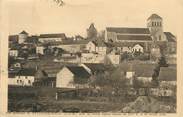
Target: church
153, 34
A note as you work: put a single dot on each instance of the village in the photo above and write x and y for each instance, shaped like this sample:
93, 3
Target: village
118, 64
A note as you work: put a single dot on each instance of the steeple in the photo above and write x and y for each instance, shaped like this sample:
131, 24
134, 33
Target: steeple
155, 25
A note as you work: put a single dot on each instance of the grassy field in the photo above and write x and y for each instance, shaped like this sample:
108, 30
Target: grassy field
42, 99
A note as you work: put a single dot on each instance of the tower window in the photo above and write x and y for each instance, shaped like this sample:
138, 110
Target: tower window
159, 23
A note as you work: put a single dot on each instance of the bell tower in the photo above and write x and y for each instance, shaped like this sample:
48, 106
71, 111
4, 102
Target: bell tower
155, 25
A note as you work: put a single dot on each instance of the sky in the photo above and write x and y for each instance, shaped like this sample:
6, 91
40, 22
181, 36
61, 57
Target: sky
44, 16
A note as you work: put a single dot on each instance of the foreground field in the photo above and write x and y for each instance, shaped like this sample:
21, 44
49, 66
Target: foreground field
43, 100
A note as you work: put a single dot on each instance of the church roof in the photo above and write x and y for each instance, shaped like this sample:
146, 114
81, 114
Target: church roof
126, 30
154, 16
170, 37
134, 37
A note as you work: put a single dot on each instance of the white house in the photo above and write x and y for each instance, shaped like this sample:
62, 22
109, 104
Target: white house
72, 77
24, 77
13, 52
138, 48
22, 37
40, 50
91, 46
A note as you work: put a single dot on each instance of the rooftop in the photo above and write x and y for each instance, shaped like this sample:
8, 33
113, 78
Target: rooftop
170, 37
79, 71
134, 37
126, 30
27, 72
23, 32
154, 16
56, 35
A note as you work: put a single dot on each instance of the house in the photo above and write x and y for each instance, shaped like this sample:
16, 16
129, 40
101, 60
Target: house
72, 77
168, 77
102, 47
40, 49
138, 48
24, 77
49, 38
13, 52
22, 37
91, 46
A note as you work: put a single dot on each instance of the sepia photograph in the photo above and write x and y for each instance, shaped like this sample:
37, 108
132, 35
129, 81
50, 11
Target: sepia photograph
98, 56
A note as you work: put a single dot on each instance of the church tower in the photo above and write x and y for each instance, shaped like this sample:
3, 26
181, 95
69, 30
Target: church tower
155, 25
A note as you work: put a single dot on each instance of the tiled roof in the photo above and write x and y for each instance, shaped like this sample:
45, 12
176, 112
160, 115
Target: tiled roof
56, 35
170, 37
134, 37
23, 32
126, 30
79, 71
168, 74
96, 67
154, 16
27, 72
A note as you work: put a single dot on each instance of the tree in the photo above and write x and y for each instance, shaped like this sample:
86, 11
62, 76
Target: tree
162, 62
92, 31
155, 81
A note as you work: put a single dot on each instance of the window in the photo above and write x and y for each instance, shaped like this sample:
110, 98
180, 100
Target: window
152, 23
29, 81
25, 77
17, 81
159, 23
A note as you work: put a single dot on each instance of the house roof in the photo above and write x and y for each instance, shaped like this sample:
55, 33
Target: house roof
170, 37
56, 35
134, 37
140, 69
126, 30
79, 71
154, 16
13, 38
96, 67
168, 74
23, 32
54, 68
27, 72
